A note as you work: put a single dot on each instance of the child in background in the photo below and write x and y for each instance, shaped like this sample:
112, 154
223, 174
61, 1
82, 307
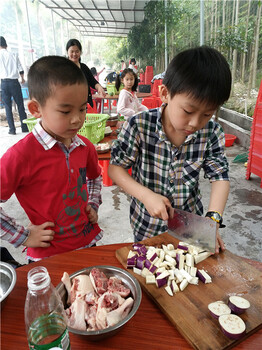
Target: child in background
93, 91
53, 172
132, 65
123, 65
128, 103
95, 73
168, 146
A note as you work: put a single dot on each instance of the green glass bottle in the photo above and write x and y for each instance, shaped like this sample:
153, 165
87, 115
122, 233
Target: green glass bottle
45, 318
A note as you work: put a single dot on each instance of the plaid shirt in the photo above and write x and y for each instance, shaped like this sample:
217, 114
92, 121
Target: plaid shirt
17, 234
166, 169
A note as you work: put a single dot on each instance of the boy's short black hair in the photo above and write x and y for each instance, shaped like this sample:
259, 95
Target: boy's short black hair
202, 72
3, 42
49, 71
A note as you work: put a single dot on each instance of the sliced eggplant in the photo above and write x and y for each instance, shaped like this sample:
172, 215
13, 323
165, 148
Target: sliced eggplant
219, 308
238, 305
232, 326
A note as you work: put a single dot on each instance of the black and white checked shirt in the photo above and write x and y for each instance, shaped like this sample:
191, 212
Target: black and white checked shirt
166, 169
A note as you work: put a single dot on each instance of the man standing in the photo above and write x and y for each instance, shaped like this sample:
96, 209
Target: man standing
10, 68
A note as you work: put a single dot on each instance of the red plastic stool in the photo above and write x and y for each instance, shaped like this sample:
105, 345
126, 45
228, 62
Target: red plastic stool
158, 101
104, 166
91, 109
149, 102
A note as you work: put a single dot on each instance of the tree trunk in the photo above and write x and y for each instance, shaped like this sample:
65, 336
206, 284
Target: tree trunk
207, 26
232, 24
243, 61
223, 17
235, 50
215, 21
257, 27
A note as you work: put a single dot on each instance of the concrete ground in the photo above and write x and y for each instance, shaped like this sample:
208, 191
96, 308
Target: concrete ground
242, 216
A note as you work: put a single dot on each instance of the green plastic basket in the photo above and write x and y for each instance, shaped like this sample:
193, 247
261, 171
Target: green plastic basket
93, 128
30, 122
111, 89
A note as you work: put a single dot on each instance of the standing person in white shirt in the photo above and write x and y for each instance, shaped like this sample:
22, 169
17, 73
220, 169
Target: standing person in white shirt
10, 68
132, 65
128, 103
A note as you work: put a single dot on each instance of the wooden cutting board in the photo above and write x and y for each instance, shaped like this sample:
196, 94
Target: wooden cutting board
188, 310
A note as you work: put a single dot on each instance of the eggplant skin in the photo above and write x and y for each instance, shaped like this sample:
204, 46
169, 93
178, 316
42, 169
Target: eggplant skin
233, 336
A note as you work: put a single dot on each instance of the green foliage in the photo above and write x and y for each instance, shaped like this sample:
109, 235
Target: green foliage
141, 43
183, 26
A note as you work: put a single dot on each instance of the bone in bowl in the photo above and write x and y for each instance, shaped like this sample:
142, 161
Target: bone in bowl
8, 280
129, 282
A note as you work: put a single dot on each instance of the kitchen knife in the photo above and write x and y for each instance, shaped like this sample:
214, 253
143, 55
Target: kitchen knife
192, 228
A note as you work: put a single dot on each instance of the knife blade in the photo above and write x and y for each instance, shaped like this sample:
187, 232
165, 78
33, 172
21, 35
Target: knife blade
192, 228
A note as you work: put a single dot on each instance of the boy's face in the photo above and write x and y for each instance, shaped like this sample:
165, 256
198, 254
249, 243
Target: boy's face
184, 114
64, 112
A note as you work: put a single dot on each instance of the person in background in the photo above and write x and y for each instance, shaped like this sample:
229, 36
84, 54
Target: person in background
128, 103
53, 172
111, 77
132, 65
123, 65
93, 91
10, 69
74, 51
168, 146
95, 73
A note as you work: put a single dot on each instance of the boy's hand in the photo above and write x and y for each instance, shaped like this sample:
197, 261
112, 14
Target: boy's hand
39, 236
92, 214
157, 205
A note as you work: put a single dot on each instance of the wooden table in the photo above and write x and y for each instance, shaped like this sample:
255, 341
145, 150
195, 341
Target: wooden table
110, 138
148, 329
115, 98
104, 158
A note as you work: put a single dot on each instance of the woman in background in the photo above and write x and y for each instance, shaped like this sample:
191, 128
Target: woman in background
74, 51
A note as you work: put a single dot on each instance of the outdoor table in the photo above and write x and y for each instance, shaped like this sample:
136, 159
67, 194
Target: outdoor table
148, 329
115, 98
110, 138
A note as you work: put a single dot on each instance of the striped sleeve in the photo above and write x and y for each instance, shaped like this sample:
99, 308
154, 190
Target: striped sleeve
94, 187
10, 231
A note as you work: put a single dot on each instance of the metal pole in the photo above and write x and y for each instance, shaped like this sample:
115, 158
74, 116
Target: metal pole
62, 38
155, 51
29, 31
166, 58
67, 30
202, 21
53, 30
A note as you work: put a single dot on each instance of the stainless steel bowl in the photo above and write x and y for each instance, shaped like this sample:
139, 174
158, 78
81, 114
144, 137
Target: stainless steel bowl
112, 122
128, 280
113, 116
8, 280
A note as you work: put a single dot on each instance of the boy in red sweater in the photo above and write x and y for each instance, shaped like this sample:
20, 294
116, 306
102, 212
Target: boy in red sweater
53, 171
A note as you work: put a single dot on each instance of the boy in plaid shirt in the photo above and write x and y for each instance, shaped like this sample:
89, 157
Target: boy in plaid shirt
167, 147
